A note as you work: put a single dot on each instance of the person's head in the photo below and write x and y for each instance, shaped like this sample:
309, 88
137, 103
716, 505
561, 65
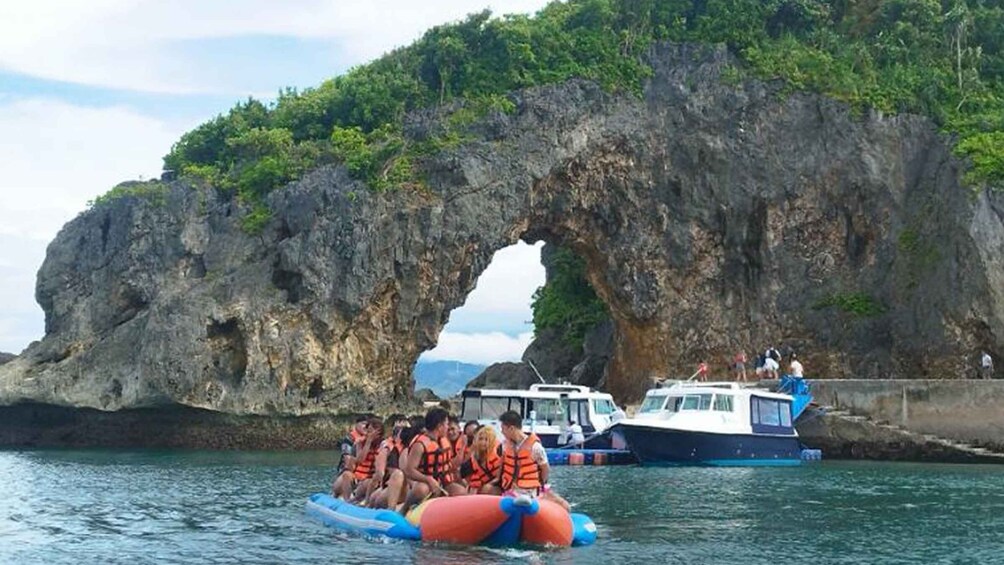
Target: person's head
445, 405
470, 428
485, 442
512, 425
408, 434
453, 429
394, 422
360, 424
572, 421
417, 422
793, 356
375, 425
436, 422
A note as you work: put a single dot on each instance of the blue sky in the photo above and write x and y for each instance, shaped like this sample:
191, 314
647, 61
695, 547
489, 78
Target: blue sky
93, 93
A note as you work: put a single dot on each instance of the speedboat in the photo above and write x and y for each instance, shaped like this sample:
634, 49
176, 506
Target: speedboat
714, 424
547, 410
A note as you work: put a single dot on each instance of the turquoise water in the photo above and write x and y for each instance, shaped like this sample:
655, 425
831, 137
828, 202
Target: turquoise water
134, 507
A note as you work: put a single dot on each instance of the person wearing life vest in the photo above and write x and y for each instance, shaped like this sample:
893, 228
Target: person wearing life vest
457, 444
391, 488
524, 469
481, 470
354, 482
428, 463
347, 459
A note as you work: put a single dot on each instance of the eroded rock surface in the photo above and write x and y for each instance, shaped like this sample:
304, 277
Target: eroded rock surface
711, 216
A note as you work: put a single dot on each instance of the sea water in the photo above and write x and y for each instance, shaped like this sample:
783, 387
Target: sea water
103, 506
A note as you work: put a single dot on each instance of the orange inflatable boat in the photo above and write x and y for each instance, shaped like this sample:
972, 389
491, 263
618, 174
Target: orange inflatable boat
475, 519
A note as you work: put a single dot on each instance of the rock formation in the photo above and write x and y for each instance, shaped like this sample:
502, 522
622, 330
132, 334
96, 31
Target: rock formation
711, 215
6, 357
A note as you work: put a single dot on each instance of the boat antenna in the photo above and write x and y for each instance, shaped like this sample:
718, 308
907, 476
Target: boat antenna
536, 372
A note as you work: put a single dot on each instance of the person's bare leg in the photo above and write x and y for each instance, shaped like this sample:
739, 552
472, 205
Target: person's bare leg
554, 497
490, 489
377, 499
455, 489
418, 493
394, 488
345, 485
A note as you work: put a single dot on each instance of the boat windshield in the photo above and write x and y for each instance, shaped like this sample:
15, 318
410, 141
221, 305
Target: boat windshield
603, 407
652, 404
696, 402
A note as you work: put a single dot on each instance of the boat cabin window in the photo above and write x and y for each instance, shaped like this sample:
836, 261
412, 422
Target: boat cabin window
769, 414
603, 407
652, 404
578, 410
489, 407
723, 403
548, 411
696, 402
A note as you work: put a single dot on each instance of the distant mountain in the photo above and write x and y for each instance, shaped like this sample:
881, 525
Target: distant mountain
445, 378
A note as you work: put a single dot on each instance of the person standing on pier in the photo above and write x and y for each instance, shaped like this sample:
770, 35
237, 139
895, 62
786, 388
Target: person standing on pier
986, 366
739, 364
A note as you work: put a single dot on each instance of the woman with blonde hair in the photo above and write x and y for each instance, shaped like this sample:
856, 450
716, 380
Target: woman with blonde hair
482, 468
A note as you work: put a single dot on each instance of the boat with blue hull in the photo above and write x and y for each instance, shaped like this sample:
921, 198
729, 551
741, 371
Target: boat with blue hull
712, 424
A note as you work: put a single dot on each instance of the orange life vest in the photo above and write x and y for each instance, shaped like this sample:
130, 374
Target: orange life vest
356, 435
484, 475
518, 467
459, 447
435, 460
366, 465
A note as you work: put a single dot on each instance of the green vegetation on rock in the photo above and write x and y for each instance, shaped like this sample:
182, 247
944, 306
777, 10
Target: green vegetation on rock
855, 303
153, 190
942, 58
567, 302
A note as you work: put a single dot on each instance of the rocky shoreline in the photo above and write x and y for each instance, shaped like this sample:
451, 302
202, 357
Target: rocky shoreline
951, 421
46, 426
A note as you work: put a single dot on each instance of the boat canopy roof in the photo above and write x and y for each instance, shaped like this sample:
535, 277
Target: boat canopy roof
541, 390
680, 388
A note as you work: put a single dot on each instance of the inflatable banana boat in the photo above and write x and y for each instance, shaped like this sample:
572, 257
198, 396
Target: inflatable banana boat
469, 520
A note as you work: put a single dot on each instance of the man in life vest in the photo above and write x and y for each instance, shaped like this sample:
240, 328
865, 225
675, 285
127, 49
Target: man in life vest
481, 470
524, 468
391, 488
428, 463
355, 482
347, 459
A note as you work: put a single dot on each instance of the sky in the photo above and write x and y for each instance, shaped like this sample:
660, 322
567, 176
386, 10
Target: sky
95, 92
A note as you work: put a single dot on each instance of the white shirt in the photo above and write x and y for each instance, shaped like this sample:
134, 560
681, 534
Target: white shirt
576, 431
796, 368
987, 361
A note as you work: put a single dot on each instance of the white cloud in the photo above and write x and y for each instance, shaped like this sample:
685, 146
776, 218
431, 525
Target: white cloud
132, 44
508, 284
482, 348
56, 157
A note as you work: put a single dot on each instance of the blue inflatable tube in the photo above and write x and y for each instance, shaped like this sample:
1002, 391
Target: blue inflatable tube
339, 514
507, 519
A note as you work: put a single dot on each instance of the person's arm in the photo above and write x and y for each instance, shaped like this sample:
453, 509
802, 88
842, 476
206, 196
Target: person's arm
539, 455
458, 459
380, 471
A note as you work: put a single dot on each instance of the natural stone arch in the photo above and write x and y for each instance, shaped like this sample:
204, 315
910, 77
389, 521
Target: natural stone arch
711, 216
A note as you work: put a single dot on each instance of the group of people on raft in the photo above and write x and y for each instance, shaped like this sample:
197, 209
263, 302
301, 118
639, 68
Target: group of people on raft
421, 458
